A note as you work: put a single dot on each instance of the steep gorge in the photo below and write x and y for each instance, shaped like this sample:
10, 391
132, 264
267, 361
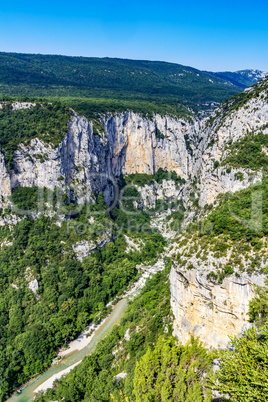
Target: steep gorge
86, 163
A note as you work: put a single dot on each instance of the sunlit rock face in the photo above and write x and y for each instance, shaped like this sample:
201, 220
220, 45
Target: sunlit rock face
89, 163
141, 145
85, 164
208, 310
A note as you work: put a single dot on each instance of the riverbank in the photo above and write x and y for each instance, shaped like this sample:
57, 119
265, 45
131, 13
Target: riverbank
85, 345
49, 383
84, 338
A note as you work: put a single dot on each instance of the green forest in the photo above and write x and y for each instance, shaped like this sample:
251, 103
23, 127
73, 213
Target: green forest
157, 369
71, 293
47, 121
165, 86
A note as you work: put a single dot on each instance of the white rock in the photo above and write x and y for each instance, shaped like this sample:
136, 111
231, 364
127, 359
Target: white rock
207, 310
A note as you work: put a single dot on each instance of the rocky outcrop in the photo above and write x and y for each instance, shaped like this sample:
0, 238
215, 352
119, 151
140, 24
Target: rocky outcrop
166, 191
5, 185
220, 181
85, 164
31, 280
208, 310
83, 248
215, 133
135, 145
22, 105
88, 164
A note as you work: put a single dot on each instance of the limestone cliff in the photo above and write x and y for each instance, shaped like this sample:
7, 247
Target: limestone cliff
210, 310
227, 124
88, 163
213, 309
85, 164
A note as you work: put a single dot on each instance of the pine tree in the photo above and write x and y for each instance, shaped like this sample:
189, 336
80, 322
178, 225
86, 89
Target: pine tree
171, 372
244, 368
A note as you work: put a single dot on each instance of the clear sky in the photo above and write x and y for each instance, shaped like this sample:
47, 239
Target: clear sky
209, 35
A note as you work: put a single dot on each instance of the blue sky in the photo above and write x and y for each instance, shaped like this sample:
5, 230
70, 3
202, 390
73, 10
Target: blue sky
209, 35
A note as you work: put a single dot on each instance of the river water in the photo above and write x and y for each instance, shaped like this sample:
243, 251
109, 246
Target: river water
74, 357
103, 330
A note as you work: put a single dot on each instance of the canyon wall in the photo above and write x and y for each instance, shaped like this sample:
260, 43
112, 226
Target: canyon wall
209, 310
88, 163
85, 164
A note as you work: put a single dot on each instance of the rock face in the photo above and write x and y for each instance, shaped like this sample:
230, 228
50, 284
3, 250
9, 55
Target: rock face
213, 139
134, 145
31, 280
85, 164
165, 191
219, 181
88, 164
85, 247
201, 307
209, 310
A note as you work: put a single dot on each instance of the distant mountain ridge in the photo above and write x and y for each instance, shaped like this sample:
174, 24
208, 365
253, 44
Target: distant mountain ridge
242, 78
167, 88
84, 77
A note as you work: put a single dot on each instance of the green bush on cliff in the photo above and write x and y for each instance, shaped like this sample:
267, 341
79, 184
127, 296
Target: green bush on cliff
243, 373
172, 372
249, 152
142, 179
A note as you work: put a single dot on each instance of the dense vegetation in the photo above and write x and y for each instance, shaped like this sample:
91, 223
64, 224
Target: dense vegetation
92, 108
47, 121
244, 368
242, 78
243, 215
154, 364
249, 152
141, 179
172, 372
70, 294
115, 79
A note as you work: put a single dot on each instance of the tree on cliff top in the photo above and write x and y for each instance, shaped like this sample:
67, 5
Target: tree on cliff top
172, 372
243, 373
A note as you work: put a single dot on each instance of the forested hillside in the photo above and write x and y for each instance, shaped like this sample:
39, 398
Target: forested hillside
60, 265
141, 347
68, 293
242, 78
159, 83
